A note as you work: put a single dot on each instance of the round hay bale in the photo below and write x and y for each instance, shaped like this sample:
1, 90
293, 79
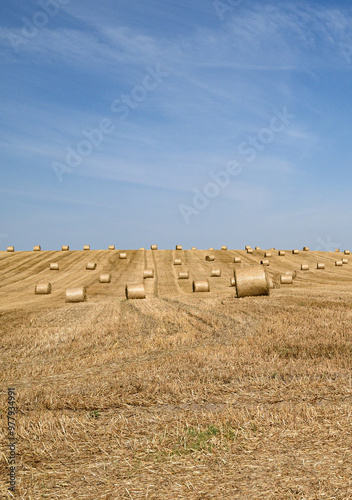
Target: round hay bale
281, 252
209, 258
295, 251
215, 273
10, 249
344, 261
232, 281
247, 247
337, 249
123, 255
183, 275
111, 247
267, 254
304, 267
135, 291
338, 263
54, 266
154, 247
105, 278
37, 248
265, 262
251, 281
320, 265
65, 248
270, 281
177, 262
201, 286
346, 252
42, 289
142, 248
86, 247
249, 250
256, 248
211, 248
91, 266
237, 260
286, 279
224, 247
272, 248
148, 273
178, 247
194, 248
76, 294
305, 249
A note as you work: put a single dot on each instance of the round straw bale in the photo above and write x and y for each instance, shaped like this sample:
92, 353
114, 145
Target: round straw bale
42, 289
286, 279
320, 265
337, 249
237, 260
111, 247
178, 247
232, 281
247, 246
251, 281
305, 267
65, 248
216, 273
306, 249
211, 248
347, 252
270, 281
272, 248
86, 247
154, 247
265, 262
54, 266
338, 263
183, 275
142, 248
295, 251
10, 249
249, 250
209, 257
37, 248
256, 248
224, 247
76, 294
105, 278
281, 252
344, 261
135, 291
91, 266
177, 262
148, 273
123, 255
201, 286
194, 248
267, 254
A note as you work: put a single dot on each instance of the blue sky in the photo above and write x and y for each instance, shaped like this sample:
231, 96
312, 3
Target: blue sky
120, 119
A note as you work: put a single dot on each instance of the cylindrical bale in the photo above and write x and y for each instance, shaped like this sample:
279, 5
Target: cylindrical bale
347, 252
337, 249
237, 260
232, 281
281, 252
178, 247
344, 261
249, 250
305, 249
272, 249
154, 247
177, 262
256, 248
105, 278
91, 266
54, 266
224, 247
136, 291
247, 246
37, 248
209, 257
265, 262
286, 279
320, 265
65, 248
305, 267
10, 249
148, 273
42, 289
194, 248
295, 251
76, 294
270, 281
201, 286
267, 254
215, 273
86, 247
211, 248
123, 255
111, 247
142, 248
183, 275
251, 281
338, 263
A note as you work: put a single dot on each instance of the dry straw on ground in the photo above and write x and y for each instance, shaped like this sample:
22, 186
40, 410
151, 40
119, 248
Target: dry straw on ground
42, 289
135, 291
295, 251
304, 267
265, 262
37, 248
286, 279
10, 249
281, 252
177, 262
54, 266
123, 255
65, 248
209, 257
183, 275
320, 265
178, 247
111, 247
105, 278
200, 286
76, 294
237, 260
91, 266
251, 281
216, 273
148, 273
154, 247
86, 247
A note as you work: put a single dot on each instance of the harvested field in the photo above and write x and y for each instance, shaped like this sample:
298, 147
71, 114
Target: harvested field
182, 394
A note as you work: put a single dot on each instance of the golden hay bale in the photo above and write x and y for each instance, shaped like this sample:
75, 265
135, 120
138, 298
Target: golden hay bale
337, 249
344, 261
232, 281
86, 247
305, 249
37, 248
194, 248
247, 246
178, 247
286, 279
265, 262
201, 286
65, 248
111, 247
135, 291
123, 255
237, 260
273, 248
338, 263
148, 273
177, 262
10, 249
267, 254
270, 281
224, 247
216, 273
249, 250
320, 265
42, 289
209, 257
142, 248
251, 281
347, 252
154, 247
295, 251
281, 252
211, 248
183, 275
54, 266
76, 294
105, 278
256, 248
91, 266
305, 267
